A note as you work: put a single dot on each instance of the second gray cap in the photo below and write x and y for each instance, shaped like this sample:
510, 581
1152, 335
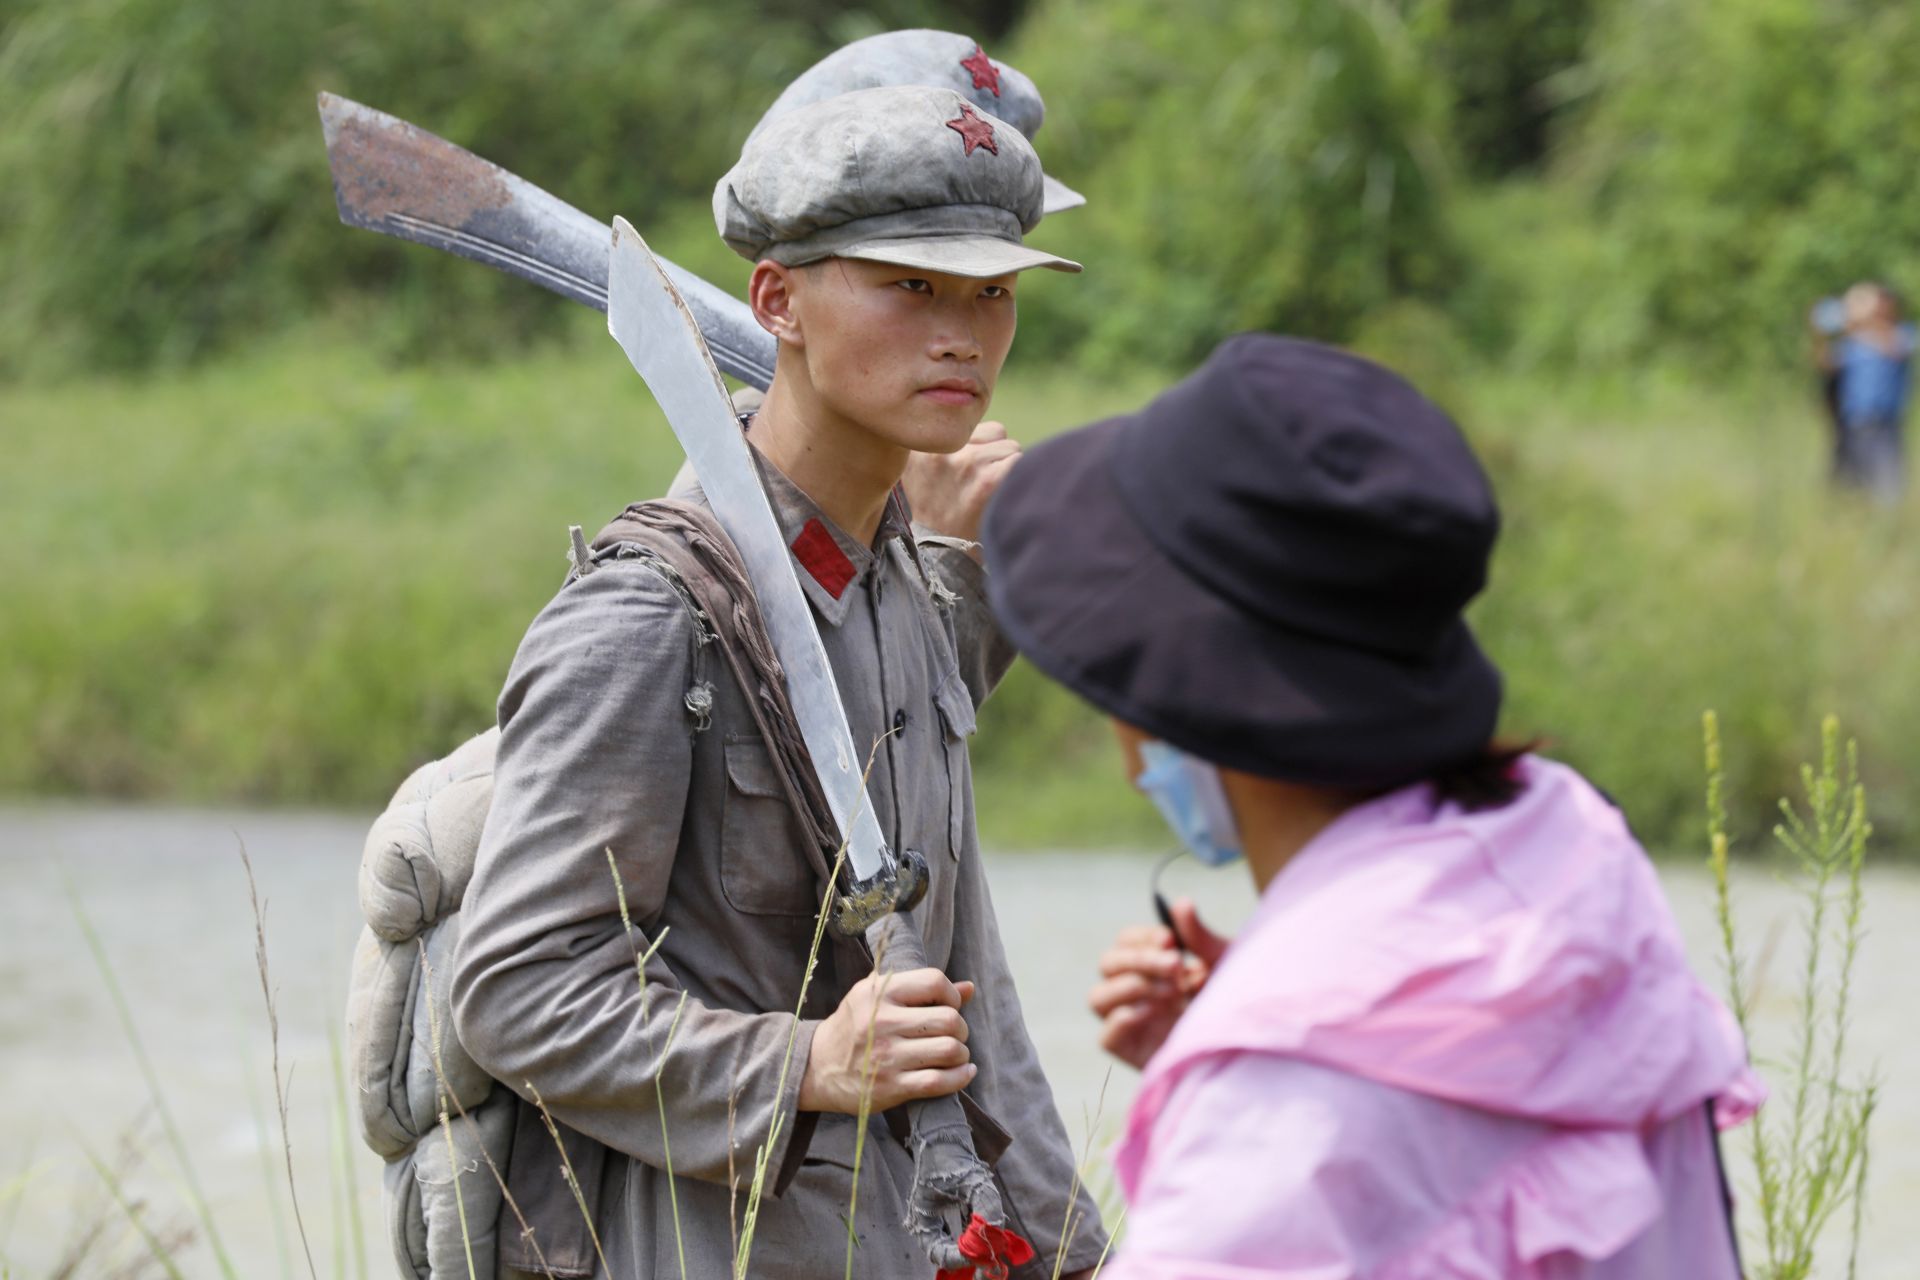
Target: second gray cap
908, 175
936, 60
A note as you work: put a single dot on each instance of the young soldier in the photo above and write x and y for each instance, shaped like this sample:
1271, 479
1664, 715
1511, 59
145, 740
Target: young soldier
885, 227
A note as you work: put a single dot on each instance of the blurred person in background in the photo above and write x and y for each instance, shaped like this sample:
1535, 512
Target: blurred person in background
1459, 1036
1870, 361
1826, 323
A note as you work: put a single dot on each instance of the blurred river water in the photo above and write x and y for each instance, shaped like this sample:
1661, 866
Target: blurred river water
166, 893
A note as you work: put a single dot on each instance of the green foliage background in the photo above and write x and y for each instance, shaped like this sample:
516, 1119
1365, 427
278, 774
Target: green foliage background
282, 496
1572, 183
1289, 171
1279, 165
1725, 163
178, 200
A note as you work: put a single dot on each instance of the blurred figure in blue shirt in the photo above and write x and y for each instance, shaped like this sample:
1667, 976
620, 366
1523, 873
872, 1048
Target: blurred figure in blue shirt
1870, 360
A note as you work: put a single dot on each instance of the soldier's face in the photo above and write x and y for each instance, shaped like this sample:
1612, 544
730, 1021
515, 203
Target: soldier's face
909, 355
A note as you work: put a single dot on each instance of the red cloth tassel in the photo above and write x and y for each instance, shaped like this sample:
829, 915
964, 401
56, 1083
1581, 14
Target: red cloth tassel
990, 1252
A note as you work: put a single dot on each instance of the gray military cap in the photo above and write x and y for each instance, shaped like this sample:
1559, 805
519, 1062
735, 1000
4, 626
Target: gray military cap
909, 175
937, 60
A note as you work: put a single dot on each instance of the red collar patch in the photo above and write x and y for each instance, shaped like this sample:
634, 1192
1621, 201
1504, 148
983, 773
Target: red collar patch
822, 557
985, 74
973, 131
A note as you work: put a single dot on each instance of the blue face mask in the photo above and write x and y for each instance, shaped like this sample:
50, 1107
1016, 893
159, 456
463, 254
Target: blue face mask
1190, 796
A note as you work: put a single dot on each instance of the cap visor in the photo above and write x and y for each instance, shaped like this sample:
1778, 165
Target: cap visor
979, 257
1057, 196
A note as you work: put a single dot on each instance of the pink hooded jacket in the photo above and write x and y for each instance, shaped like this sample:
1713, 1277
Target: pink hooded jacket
1448, 1044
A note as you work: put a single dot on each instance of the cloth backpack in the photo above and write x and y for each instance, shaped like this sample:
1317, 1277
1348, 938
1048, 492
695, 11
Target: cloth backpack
447, 1130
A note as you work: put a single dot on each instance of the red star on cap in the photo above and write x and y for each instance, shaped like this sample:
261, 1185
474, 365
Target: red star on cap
973, 131
985, 74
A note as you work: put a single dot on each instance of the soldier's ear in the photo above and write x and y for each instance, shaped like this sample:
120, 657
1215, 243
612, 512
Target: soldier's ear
770, 292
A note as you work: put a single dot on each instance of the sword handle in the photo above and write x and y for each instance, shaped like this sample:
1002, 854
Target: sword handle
951, 1183
898, 886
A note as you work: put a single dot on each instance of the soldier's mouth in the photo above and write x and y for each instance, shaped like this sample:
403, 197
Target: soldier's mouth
953, 391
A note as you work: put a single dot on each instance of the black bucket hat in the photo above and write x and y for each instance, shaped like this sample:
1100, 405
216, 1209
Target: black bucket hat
1265, 567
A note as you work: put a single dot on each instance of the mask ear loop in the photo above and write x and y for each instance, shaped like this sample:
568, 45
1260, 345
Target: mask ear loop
1160, 905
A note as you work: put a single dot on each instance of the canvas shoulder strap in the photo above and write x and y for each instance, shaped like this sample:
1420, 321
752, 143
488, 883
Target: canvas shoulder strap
688, 547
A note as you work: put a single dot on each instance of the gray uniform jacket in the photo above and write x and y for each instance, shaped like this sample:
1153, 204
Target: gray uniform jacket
621, 732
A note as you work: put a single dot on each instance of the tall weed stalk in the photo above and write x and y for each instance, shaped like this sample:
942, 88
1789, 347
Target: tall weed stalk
640, 960
1071, 1226
343, 1146
447, 1096
750, 1217
869, 1069
159, 1249
573, 1179
446, 1125
764, 1155
12, 1192
262, 1137
280, 1084
1810, 1163
203, 1214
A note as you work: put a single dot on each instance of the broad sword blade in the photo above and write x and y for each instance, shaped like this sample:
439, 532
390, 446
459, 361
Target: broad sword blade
399, 180
653, 325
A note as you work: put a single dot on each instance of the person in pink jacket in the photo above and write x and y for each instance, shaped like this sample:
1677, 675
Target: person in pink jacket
1459, 1037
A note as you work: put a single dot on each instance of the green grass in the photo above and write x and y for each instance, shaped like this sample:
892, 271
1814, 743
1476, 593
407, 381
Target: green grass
289, 577
1672, 548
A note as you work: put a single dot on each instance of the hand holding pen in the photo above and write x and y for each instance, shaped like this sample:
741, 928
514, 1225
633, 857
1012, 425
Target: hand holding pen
1149, 976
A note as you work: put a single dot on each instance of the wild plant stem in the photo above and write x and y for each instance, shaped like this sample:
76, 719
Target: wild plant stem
1718, 849
1808, 1176
440, 1085
1854, 832
131, 1213
459, 1196
1802, 1189
1837, 1147
273, 1031
765, 1152
15, 1192
733, 1176
356, 1230
1119, 1224
1070, 1225
1718, 844
454, 1171
869, 1071
338, 1215
573, 1179
666, 1147
640, 960
276, 1215
1869, 1104
175, 1143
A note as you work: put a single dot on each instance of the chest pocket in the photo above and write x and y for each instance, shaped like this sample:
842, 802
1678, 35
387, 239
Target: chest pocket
957, 723
763, 861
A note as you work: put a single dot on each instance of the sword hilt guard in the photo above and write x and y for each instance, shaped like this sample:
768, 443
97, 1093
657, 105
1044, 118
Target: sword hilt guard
898, 885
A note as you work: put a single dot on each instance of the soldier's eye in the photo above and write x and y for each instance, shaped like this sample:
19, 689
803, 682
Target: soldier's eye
996, 292
917, 286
